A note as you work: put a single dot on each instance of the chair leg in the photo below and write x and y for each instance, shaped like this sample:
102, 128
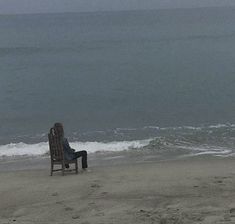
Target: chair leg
76, 166
52, 166
63, 168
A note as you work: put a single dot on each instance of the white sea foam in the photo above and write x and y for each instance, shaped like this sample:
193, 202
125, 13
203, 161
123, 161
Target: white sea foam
201, 127
152, 127
192, 128
222, 125
208, 150
21, 149
224, 152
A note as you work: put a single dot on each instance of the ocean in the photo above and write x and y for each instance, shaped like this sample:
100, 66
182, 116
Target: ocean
127, 80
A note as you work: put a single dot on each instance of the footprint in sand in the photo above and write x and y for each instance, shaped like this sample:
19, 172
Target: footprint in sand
59, 202
220, 179
95, 186
232, 212
227, 218
75, 217
54, 194
163, 221
68, 209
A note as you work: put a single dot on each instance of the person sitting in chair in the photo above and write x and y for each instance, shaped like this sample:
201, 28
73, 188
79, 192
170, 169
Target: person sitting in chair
70, 153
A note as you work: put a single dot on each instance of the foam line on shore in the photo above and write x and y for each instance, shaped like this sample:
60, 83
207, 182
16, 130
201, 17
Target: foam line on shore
23, 149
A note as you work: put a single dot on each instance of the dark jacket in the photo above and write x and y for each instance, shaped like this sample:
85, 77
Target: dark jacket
69, 153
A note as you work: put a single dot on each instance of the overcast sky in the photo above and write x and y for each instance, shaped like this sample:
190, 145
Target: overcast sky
44, 6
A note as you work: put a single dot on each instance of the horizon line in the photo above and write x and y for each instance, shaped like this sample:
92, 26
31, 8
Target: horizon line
121, 10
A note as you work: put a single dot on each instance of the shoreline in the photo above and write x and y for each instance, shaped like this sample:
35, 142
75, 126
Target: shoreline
105, 159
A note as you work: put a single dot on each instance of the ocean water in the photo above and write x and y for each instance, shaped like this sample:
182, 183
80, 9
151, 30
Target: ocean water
119, 80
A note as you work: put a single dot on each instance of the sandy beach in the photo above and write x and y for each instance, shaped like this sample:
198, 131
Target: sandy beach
192, 190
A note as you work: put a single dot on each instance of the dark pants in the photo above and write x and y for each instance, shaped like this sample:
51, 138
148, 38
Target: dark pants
82, 154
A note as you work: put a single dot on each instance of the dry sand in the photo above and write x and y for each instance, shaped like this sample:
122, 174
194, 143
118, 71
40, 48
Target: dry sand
195, 190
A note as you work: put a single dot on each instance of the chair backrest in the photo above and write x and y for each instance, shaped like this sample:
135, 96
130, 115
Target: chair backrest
55, 145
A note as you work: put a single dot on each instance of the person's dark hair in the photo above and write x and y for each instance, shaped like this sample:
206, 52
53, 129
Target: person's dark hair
59, 128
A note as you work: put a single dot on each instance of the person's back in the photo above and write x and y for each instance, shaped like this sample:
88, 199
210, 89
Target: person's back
69, 153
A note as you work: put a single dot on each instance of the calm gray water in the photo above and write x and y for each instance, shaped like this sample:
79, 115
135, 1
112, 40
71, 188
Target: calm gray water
105, 74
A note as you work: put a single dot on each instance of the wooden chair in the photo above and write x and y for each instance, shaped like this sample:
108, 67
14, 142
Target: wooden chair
57, 153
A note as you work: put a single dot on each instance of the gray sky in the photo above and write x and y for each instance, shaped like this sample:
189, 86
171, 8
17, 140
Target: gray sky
44, 6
